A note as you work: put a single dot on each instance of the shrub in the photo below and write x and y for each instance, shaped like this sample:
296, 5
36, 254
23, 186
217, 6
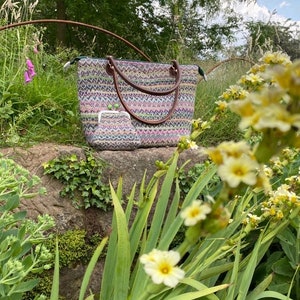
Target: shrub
22, 250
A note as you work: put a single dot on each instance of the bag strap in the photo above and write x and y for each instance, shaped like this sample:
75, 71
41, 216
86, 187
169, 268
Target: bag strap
113, 70
174, 71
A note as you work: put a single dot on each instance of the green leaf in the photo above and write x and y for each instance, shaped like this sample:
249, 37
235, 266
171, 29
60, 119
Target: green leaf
90, 268
55, 283
282, 267
173, 209
260, 288
199, 294
25, 286
272, 295
12, 202
288, 241
235, 272
120, 281
107, 288
157, 222
193, 194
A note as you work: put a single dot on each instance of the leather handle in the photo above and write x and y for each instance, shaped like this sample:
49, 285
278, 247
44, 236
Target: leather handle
114, 71
174, 71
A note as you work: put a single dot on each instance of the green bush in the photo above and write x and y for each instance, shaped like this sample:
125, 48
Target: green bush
22, 250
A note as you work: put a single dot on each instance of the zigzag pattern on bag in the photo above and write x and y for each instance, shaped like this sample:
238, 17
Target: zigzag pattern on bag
115, 132
96, 93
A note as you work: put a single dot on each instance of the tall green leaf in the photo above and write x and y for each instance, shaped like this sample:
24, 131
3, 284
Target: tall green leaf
90, 268
120, 280
55, 284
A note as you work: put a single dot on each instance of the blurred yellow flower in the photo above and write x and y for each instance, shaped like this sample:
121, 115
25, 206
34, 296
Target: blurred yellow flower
288, 77
239, 170
251, 80
195, 213
275, 116
257, 69
234, 92
222, 105
272, 58
228, 149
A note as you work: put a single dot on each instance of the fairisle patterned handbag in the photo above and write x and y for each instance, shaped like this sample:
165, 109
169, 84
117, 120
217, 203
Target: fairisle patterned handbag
158, 99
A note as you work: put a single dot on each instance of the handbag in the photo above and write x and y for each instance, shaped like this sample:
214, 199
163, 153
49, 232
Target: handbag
158, 99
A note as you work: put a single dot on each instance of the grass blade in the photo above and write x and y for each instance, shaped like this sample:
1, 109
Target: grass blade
260, 288
272, 295
90, 268
120, 281
199, 294
55, 283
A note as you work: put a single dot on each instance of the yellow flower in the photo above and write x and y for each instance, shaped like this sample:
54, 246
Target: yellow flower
244, 108
263, 182
227, 149
161, 267
257, 69
150, 257
272, 58
251, 80
235, 149
195, 212
237, 170
215, 155
234, 92
275, 116
222, 105
253, 219
289, 77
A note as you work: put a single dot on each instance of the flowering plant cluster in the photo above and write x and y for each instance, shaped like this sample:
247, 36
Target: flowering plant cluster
267, 99
225, 252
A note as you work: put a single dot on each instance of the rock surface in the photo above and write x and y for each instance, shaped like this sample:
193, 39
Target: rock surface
131, 165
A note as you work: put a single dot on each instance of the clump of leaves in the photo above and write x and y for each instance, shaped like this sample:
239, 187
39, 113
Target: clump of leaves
22, 250
81, 179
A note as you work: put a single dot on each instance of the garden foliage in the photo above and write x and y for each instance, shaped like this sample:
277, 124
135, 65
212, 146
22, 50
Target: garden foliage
241, 242
22, 251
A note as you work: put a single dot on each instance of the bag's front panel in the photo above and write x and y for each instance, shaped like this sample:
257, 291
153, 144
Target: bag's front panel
97, 93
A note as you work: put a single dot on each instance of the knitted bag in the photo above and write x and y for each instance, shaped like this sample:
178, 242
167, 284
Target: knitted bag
159, 98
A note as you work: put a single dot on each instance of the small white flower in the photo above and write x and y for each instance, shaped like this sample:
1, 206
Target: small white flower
161, 267
195, 212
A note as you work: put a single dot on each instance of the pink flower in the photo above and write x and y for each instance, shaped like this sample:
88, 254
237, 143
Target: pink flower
29, 73
27, 77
